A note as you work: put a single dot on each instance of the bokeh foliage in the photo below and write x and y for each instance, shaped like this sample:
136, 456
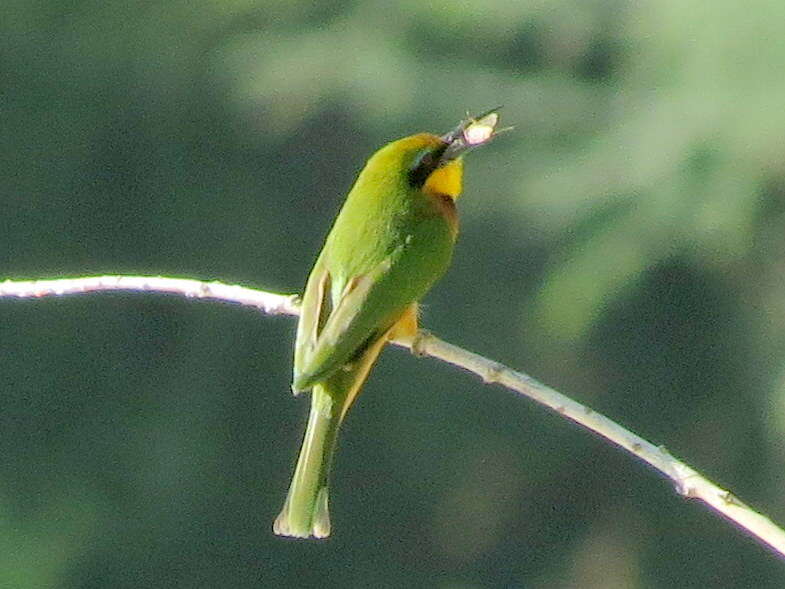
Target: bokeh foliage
625, 244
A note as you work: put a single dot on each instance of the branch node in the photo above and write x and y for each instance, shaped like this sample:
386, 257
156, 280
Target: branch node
492, 373
420, 343
680, 474
687, 491
730, 499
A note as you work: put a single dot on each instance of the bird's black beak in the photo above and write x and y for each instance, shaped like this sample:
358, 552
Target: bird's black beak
472, 132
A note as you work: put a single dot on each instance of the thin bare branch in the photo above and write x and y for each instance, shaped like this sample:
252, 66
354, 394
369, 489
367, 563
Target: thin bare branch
687, 481
270, 303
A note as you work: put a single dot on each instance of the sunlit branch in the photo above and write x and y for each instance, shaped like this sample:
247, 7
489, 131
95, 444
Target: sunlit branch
270, 303
687, 481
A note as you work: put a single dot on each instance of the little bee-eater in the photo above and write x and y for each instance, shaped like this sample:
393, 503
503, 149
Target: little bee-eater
391, 241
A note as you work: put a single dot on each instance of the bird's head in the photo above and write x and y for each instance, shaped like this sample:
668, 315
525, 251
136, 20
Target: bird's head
433, 163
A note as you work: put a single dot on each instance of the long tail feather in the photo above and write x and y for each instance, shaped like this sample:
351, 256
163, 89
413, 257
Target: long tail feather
305, 513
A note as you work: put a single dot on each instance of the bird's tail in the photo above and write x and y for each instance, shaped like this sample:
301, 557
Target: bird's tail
306, 511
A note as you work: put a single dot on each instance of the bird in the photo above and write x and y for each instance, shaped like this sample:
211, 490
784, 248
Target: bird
391, 241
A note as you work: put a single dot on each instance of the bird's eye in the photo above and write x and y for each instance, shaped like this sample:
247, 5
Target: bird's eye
424, 164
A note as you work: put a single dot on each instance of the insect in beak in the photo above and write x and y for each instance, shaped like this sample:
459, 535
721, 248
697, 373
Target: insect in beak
472, 132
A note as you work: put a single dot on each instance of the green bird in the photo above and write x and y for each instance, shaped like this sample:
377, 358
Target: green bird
392, 240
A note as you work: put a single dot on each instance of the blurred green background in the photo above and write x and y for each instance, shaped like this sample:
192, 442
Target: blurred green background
625, 244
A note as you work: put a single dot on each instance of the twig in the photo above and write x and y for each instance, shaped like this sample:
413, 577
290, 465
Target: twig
270, 303
687, 481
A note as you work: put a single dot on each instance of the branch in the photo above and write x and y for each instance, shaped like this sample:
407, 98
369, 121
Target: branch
270, 303
687, 481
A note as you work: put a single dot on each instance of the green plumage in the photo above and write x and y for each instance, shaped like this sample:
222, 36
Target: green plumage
391, 241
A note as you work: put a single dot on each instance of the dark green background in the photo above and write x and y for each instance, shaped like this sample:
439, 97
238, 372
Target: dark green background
625, 244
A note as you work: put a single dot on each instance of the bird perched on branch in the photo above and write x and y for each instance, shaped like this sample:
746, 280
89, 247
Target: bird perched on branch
392, 240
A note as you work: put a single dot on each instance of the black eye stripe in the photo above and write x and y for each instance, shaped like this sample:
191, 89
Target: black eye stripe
425, 164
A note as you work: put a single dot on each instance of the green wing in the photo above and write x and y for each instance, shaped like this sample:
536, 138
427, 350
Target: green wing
342, 315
